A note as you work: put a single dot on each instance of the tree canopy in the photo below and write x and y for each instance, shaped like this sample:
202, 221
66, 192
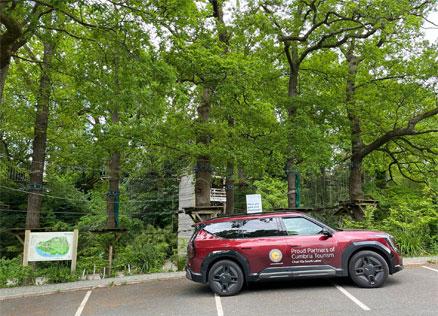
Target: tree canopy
105, 104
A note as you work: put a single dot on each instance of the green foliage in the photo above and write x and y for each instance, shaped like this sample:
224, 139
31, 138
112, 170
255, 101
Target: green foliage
273, 193
57, 272
118, 86
180, 260
414, 229
91, 262
147, 252
369, 223
12, 270
142, 258
329, 218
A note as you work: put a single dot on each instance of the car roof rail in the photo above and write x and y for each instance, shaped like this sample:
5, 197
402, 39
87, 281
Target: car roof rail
275, 211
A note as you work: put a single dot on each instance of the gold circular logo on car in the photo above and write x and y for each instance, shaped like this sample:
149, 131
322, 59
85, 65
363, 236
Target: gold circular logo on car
275, 255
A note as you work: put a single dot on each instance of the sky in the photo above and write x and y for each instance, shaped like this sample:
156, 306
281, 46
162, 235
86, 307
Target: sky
431, 30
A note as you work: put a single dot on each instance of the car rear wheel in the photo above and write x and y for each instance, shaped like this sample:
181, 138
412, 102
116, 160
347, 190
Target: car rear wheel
368, 269
225, 278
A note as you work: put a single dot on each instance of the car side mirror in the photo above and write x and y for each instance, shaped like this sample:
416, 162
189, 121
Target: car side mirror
326, 232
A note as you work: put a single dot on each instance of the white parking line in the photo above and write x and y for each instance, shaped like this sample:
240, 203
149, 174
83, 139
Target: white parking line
84, 301
220, 311
351, 297
430, 268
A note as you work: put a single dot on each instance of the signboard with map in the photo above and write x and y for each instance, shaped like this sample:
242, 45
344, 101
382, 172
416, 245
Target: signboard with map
50, 246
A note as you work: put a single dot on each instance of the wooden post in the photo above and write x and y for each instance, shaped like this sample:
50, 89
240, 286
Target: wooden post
74, 252
26, 248
110, 257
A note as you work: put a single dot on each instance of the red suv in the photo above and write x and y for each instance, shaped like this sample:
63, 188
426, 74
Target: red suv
228, 251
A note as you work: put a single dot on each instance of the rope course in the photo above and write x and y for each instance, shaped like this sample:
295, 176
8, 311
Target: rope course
80, 200
83, 214
324, 189
24, 171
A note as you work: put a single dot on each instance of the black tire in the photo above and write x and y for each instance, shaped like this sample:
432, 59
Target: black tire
368, 269
225, 278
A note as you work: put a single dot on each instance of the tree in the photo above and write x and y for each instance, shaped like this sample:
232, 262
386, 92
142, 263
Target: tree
22, 19
409, 115
305, 28
40, 139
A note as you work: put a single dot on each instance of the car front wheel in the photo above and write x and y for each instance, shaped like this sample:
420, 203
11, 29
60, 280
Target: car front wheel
368, 269
225, 278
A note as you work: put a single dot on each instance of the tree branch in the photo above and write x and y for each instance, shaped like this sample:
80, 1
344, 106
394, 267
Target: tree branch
399, 167
398, 132
13, 33
71, 16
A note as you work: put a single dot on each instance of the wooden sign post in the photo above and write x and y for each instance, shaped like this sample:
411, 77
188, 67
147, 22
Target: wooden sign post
50, 246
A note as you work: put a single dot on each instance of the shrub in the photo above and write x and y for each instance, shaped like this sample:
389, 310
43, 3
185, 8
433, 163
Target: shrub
146, 252
145, 258
57, 272
414, 229
12, 270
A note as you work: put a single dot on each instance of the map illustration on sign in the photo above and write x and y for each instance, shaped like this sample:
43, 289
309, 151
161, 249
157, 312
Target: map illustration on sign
50, 246
56, 246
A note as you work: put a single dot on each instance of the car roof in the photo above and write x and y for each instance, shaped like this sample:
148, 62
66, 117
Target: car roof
237, 217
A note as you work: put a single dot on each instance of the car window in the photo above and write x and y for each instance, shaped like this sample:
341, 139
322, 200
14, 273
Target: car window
260, 227
301, 226
226, 230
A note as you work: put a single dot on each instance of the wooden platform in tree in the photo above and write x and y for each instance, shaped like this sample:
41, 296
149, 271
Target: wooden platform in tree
346, 207
202, 213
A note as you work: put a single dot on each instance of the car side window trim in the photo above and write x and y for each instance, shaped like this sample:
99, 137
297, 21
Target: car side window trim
218, 233
276, 220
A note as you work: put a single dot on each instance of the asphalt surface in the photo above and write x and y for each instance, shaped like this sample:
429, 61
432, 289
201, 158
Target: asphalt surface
413, 291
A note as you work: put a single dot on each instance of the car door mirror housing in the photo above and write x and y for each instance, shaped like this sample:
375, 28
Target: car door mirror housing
326, 232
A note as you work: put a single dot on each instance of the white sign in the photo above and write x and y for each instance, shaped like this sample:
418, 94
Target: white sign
254, 203
50, 246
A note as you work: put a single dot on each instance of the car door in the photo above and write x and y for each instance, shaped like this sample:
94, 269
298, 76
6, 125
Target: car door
262, 243
308, 246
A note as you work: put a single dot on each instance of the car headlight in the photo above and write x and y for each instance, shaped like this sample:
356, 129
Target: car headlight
389, 239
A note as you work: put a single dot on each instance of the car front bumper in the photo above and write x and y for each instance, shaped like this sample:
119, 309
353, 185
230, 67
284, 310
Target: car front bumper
398, 268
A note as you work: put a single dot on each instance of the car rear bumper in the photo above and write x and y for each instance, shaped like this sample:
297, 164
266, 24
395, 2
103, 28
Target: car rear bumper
196, 277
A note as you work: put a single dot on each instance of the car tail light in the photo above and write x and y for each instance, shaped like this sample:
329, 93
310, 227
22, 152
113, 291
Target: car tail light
190, 251
191, 246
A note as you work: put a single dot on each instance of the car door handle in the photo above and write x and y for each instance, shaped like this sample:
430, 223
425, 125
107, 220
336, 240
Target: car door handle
245, 248
295, 246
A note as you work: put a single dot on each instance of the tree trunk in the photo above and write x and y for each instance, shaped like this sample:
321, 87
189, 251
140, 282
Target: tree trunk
113, 193
3, 74
229, 188
291, 186
229, 181
112, 205
39, 142
203, 168
292, 56
355, 180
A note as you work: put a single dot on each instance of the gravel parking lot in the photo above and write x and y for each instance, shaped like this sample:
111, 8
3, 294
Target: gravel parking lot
413, 291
